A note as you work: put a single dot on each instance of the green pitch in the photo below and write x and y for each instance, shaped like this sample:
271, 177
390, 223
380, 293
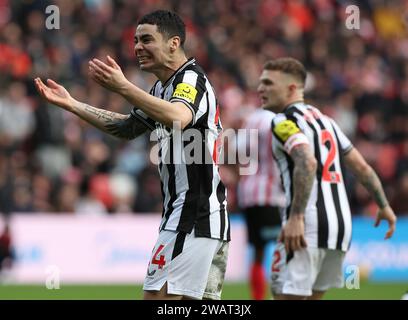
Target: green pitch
238, 291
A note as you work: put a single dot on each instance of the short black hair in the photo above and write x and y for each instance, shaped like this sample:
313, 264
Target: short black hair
168, 24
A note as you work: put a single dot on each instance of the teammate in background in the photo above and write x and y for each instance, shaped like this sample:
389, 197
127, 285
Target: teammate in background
310, 150
189, 258
261, 198
6, 249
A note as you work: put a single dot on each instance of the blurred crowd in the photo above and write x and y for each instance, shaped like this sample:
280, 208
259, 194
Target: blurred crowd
50, 161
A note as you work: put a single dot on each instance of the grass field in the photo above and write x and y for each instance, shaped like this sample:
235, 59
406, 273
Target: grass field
240, 291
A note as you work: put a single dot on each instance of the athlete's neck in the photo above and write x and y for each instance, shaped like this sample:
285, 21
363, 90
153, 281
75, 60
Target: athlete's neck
293, 102
170, 67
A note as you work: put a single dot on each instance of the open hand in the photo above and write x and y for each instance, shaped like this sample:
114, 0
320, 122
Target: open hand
54, 93
108, 75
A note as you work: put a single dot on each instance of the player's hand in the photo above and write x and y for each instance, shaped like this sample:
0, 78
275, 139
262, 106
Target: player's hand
54, 93
387, 214
293, 233
108, 75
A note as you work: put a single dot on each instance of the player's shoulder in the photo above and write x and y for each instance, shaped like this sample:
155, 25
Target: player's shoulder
278, 118
194, 68
288, 123
194, 75
284, 127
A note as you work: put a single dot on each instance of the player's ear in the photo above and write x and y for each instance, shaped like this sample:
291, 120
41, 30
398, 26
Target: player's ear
175, 43
293, 87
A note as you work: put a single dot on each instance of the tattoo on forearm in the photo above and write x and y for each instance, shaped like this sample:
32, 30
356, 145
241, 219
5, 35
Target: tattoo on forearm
101, 114
303, 177
373, 184
116, 124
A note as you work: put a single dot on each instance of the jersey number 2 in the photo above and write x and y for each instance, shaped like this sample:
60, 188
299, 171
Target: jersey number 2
276, 260
327, 175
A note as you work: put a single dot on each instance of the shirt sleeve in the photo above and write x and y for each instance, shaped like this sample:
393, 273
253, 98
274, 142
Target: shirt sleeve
144, 118
189, 88
345, 143
288, 133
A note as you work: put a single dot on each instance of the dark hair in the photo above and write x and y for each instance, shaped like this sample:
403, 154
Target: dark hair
288, 65
168, 24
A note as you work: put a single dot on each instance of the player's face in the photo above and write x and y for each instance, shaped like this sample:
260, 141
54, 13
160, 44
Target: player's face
151, 48
273, 90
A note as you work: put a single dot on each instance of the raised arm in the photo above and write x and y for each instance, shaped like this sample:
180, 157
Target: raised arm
369, 179
116, 124
112, 78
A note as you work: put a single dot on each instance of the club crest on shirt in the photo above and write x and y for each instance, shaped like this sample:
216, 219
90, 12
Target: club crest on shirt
186, 92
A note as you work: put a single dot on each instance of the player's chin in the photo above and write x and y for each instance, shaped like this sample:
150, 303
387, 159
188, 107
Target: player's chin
145, 66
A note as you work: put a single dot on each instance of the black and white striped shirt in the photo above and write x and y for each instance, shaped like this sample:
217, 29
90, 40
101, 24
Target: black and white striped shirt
327, 215
194, 198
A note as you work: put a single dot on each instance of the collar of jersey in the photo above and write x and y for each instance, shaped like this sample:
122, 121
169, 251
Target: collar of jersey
294, 104
186, 64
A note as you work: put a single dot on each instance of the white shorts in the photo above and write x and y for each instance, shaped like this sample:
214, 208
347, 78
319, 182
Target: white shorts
192, 266
308, 270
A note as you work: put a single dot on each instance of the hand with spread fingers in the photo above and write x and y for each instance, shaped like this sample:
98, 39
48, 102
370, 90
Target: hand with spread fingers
55, 93
108, 75
387, 214
293, 233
